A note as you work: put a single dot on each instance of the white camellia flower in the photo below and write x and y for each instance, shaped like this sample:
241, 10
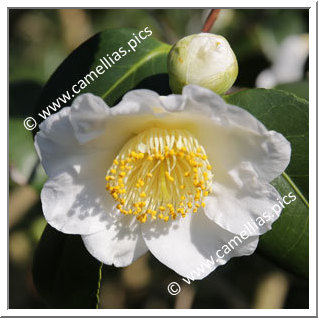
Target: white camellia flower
178, 175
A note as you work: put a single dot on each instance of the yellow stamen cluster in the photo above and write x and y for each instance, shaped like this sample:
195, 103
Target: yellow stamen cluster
160, 174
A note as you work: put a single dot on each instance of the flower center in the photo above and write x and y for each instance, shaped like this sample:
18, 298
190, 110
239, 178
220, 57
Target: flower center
159, 174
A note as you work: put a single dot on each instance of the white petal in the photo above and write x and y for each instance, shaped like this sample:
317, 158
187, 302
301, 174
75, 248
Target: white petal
87, 116
188, 245
97, 126
77, 206
74, 199
231, 135
242, 200
120, 244
56, 144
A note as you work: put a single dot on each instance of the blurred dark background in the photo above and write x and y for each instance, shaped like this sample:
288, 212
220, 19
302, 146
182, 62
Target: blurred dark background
39, 40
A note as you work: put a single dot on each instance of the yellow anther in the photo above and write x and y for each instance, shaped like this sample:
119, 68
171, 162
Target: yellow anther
142, 203
169, 176
162, 208
195, 210
206, 193
150, 158
115, 162
119, 206
203, 204
122, 167
108, 178
122, 174
182, 186
189, 205
187, 173
113, 171
143, 218
182, 198
196, 183
143, 194
140, 155
160, 216
149, 174
209, 167
199, 150
166, 218
169, 206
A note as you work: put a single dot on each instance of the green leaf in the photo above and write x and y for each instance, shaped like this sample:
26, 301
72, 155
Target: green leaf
144, 68
65, 274
287, 243
301, 89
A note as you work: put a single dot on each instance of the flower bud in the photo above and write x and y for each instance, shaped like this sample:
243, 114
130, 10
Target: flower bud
203, 59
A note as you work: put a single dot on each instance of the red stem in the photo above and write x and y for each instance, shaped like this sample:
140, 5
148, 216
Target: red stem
210, 20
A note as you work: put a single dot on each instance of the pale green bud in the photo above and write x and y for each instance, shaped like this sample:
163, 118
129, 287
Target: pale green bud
203, 59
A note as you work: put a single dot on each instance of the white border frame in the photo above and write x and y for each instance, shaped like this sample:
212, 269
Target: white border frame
312, 157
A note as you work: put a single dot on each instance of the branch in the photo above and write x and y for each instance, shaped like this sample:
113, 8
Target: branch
210, 20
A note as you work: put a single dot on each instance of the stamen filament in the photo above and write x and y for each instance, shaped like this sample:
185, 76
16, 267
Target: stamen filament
160, 173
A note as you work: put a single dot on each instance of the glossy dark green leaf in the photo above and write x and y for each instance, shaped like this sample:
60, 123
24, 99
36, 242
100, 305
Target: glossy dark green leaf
287, 243
143, 68
64, 272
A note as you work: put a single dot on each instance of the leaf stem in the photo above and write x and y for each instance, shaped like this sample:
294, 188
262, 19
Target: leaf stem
210, 20
98, 284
